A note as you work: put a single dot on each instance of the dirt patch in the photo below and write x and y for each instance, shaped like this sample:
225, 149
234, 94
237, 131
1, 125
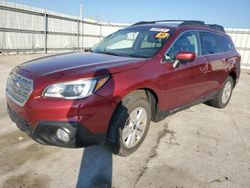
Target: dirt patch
25, 180
18, 155
220, 180
154, 149
173, 177
12, 138
3, 111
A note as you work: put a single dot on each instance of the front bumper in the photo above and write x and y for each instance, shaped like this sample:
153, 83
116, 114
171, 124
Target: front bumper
45, 132
85, 119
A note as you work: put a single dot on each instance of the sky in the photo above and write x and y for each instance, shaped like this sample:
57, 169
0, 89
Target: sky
229, 13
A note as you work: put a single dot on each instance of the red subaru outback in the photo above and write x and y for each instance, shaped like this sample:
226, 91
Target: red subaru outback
111, 93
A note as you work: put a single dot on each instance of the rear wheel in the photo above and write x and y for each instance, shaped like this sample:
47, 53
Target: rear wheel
129, 125
225, 94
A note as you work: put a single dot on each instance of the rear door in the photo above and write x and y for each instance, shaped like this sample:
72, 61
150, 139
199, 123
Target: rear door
187, 82
216, 48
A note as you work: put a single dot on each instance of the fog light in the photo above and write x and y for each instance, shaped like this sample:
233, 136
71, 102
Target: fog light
63, 134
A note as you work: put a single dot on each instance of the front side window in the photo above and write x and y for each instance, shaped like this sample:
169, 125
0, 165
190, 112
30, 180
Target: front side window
186, 42
134, 42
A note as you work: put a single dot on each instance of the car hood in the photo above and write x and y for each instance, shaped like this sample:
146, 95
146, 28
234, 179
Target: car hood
73, 63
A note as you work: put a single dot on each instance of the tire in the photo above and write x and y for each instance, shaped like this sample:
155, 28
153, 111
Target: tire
220, 101
122, 123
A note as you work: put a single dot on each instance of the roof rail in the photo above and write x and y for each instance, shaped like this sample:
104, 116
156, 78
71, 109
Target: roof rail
216, 26
144, 22
184, 23
156, 21
192, 22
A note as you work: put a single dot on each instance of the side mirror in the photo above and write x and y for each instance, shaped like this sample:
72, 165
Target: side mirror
185, 56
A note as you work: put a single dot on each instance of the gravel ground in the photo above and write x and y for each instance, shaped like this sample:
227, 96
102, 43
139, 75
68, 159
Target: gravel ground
199, 147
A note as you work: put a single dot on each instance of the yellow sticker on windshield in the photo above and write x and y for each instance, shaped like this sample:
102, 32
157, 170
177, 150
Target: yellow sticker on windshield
162, 35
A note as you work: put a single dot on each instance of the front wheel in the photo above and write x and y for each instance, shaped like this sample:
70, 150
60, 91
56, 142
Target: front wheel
129, 125
225, 94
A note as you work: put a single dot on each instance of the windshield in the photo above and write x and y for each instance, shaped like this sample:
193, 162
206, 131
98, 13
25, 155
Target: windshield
133, 42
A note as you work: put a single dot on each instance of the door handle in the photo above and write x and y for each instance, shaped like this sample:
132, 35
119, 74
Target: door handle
204, 67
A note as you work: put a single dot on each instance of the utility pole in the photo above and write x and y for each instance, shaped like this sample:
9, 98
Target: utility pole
81, 22
81, 11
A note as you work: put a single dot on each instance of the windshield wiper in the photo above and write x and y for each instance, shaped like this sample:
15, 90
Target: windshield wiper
108, 53
88, 50
115, 54
100, 52
135, 56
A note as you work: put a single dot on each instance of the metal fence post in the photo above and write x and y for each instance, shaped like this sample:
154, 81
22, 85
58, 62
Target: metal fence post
45, 32
243, 55
82, 34
78, 34
100, 31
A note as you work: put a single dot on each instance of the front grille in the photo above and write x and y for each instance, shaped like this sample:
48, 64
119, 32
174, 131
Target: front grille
18, 88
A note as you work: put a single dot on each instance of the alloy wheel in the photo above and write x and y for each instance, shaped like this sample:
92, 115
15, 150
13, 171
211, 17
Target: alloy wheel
134, 127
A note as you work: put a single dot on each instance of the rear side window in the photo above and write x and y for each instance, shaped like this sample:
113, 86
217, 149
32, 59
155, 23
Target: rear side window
212, 43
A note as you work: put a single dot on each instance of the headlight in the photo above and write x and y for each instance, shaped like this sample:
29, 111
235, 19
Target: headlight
77, 89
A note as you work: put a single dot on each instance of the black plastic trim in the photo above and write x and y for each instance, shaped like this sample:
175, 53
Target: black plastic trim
22, 124
44, 132
80, 136
160, 115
